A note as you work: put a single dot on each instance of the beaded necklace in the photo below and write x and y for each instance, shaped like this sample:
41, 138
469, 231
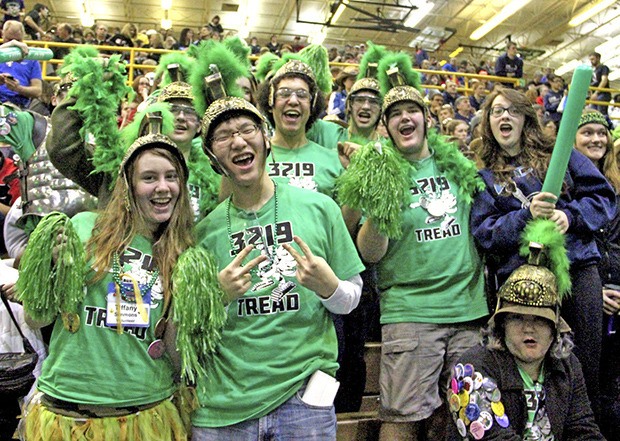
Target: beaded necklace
265, 242
116, 276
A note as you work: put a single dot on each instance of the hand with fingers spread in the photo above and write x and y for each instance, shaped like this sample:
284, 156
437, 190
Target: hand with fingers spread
541, 207
313, 272
236, 278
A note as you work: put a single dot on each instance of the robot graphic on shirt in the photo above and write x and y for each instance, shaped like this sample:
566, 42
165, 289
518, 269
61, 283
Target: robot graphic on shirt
279, 263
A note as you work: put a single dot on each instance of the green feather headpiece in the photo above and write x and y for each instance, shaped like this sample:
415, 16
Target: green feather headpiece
186, 66
241, 50
264, 65
132, 131
317, 58
545, 232
99, 88
212, 53
373, 55
405, 75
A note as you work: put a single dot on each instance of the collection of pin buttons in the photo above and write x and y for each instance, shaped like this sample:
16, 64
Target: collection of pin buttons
6, 121
475, 402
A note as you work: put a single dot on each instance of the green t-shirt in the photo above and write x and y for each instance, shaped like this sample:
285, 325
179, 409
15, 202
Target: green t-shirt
433, 274
538, 426
97, 366
310, 166
203, 182
327, 134
269, 347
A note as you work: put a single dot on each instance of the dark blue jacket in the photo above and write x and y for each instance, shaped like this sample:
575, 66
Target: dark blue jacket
498, 221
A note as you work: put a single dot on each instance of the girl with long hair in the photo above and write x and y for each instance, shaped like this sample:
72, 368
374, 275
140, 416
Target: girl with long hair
112, 364
516, 155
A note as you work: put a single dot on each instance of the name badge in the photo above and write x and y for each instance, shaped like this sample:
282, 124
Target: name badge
134, 308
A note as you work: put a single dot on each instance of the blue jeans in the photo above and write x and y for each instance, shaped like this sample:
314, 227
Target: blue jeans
292, 420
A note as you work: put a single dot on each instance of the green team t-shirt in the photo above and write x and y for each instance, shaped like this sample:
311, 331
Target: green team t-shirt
270, 347
327, 134
97, 366
310, 166
203, 182
433, 274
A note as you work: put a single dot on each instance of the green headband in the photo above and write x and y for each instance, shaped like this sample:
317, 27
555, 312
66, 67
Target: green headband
594, 118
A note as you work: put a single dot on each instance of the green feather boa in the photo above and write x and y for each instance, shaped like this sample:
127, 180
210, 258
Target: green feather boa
544, 231
52, 285
99, 89
199, 311
378, 182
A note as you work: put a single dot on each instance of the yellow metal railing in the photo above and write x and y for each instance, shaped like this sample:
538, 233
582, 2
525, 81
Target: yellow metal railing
132, 66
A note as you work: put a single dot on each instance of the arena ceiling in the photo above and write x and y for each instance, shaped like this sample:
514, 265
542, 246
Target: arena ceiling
540, 27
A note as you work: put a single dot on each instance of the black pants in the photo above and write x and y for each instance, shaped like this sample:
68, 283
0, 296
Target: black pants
583, 311
9, 411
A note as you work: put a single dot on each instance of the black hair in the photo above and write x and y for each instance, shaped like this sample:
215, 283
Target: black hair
318, 103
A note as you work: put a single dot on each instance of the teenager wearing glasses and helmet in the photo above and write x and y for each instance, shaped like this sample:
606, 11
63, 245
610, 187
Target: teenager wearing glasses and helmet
516, 155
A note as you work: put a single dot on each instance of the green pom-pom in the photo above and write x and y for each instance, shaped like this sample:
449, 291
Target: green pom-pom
317, 58
215, 53
403, 62
376, 182
264, 65
373, 54
545, 232
52, 288
186, 65
199, 311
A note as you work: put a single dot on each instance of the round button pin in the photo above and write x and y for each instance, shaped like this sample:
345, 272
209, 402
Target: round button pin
502, 421
485, 419
472, 412
460, 426
498, 408
476, 430
156, 349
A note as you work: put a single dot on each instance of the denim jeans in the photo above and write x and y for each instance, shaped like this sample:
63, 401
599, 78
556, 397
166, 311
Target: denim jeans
292, 420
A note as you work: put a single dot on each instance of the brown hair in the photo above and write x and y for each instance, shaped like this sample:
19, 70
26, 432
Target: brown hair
116, 225
536, 148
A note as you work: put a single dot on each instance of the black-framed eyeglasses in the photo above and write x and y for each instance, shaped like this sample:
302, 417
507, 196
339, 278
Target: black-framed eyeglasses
360, 100
498, 111
188, 111
247, 132
285, 93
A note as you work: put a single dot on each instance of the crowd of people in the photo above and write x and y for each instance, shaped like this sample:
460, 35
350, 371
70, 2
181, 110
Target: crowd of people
231, 237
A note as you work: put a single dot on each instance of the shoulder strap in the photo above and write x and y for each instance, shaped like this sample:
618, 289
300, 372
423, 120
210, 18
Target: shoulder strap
27, 346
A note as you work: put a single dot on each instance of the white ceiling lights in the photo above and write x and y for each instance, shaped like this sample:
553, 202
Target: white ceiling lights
506, 12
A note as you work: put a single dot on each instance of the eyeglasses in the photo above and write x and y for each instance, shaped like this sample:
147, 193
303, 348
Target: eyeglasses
285, 93
188, 111
246, 132
498, 111
361, 100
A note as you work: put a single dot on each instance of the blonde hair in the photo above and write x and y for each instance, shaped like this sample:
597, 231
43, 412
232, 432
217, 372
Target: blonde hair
117, 225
